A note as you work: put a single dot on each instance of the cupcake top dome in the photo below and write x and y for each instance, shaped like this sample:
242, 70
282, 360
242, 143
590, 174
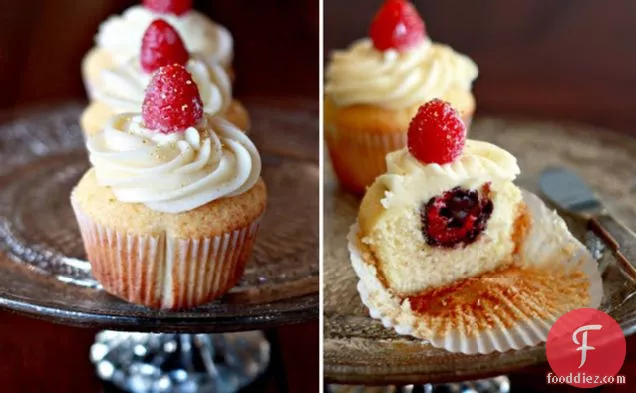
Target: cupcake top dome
172, 157
122, 86
120, 34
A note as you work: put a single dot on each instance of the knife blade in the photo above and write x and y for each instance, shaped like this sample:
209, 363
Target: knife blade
569, 193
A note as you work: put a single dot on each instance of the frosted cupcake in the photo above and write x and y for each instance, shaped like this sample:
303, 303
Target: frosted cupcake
117, 41
170, 210
120, 88
449, 250
374, 88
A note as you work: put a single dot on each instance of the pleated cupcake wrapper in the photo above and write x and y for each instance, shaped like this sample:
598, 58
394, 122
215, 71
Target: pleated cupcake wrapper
512, 317
163, 271
359, 157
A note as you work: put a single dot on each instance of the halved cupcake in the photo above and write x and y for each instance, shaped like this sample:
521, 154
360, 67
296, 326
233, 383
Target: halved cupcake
374, 88
170, 210
448, 249
120, 88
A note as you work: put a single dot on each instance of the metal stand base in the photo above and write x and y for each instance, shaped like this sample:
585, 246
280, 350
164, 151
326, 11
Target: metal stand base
180, 363
499, 384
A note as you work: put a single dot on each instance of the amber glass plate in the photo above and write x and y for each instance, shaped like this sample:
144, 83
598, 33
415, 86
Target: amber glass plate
360, 350
43, 271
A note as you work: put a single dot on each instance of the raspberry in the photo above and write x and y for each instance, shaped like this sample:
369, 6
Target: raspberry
177, 7
397, 26
457, 217
436, 134
172, 101
161, 45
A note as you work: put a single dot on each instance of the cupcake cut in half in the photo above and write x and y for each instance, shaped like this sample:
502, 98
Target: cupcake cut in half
374, 87
121, 88
448, 249
170, 209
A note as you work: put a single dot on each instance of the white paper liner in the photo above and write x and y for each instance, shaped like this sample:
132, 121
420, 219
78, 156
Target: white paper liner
358, 158
548, 235
162, 271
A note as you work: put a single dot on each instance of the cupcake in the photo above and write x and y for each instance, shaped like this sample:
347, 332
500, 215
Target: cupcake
120, 88
117, 41
374, 88
449, 250
170, 208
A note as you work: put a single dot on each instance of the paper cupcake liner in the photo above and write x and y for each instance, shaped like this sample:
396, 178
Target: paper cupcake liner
359, 157
509, 309
164, 272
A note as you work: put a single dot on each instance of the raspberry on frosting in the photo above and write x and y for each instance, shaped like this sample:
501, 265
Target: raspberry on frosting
172, 102
436, 134
397, 26
177, 7
162, 45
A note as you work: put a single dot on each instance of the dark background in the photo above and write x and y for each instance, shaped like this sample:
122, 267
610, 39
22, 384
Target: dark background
554, 59
564, 59
42, 43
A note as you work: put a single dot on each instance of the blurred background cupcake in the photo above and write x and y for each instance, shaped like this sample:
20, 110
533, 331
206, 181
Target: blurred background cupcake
374, 87
120, 88
116, 43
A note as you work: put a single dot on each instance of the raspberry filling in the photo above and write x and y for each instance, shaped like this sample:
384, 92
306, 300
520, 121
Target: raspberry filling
456, 218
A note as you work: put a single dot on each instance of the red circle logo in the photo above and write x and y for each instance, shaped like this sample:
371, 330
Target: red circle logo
585, 349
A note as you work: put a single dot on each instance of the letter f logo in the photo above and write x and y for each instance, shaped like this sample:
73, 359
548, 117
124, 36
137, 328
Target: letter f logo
584, 347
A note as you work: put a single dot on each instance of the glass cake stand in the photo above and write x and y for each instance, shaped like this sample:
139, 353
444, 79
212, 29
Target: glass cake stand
359, 351
214, 348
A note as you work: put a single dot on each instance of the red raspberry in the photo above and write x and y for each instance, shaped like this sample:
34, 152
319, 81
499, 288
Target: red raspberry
161, 45
177, 7
436, 134
172, 101
456, 218
397, 26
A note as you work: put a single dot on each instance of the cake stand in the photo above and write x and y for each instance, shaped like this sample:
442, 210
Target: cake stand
214, 348
358, 350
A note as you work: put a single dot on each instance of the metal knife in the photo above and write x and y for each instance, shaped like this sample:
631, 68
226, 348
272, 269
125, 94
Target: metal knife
570, 193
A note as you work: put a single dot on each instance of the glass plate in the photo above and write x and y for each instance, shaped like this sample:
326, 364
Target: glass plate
358, 349
42, 157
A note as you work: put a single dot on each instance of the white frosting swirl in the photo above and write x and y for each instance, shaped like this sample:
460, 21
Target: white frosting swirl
398, 80
121, 35
123, 87
176, 172
409, 182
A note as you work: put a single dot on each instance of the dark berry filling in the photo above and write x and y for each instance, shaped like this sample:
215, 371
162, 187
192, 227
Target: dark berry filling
456, 218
